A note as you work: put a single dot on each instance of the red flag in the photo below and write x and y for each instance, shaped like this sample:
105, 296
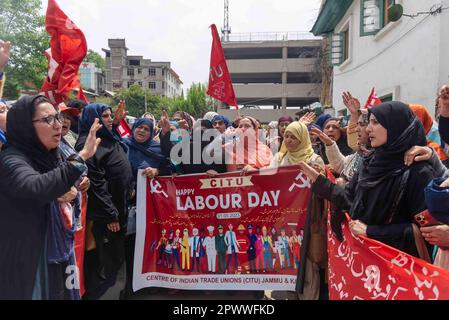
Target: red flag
123, 129
81, 95
220, 85
363, 268
373, 100
67, 50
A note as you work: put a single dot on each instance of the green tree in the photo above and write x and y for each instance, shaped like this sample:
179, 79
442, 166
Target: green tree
96, 58
22, 23
134, 97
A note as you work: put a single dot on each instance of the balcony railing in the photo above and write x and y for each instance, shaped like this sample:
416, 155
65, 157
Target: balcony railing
270, 36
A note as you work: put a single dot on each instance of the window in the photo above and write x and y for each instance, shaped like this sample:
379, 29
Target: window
131, 72
374, 15
339, 48
163, 72
139, 71
387, 98
139, 83
152, 85
152, 72
134, 62
130, 83
163, 84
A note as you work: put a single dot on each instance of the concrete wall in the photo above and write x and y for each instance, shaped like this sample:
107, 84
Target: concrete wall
264, 116
408, 58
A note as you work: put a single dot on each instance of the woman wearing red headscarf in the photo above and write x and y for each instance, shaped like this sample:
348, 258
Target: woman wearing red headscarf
248, 153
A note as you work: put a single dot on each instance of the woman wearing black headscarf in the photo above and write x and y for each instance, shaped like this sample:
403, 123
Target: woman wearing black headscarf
36, 236
385, 194
110, 177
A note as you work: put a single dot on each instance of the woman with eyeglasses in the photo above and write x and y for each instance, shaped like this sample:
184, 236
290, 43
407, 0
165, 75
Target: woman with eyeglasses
146, 154
36, 189
111, 177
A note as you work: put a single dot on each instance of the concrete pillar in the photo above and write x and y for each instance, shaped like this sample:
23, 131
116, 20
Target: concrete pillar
284, 77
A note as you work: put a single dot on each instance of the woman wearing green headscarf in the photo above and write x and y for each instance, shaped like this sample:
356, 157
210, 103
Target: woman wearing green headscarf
297, 147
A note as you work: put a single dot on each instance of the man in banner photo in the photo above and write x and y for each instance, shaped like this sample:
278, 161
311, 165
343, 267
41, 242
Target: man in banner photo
235, 210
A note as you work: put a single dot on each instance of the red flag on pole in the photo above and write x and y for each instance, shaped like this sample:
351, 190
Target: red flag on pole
220, 84
124, 129
67, 50
373, 100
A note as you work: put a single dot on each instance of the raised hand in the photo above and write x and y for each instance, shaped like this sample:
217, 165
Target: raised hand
92, 143
315, 132
353, 104
5, 49
443, 101
183, 124
308, 118
164, 124
120, 113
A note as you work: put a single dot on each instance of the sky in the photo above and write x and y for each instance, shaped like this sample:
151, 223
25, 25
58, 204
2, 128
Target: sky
178, 30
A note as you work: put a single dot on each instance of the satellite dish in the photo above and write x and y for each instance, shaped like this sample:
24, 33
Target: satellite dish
395, 12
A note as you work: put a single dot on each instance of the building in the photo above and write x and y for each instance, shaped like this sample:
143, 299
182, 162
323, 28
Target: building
92, 78
124, 71
404, 60
273, 73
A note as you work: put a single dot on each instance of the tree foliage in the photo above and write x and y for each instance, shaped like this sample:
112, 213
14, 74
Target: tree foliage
96, 58
197, 103
22, 23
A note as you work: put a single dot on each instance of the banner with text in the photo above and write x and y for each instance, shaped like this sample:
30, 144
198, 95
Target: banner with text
230, 232
365, 269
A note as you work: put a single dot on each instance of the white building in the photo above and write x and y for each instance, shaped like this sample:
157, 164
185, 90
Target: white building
406, 60
123, 71
92, 78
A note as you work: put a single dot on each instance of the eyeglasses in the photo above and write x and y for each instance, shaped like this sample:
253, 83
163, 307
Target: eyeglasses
50, 120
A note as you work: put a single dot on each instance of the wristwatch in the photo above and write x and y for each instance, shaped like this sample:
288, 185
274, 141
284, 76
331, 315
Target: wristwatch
77, 158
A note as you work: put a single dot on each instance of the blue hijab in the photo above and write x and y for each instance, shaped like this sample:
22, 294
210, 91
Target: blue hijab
90, 112
144, 155
321, 120
219, 117
2, 137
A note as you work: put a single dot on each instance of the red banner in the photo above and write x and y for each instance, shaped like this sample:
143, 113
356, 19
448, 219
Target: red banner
67, 50
79, 244
220, 84
231, 232
364, 269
